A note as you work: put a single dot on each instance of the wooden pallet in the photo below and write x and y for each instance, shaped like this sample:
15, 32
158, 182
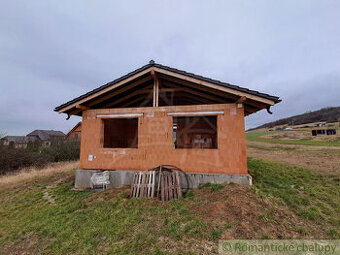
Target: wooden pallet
143, 184
168, 185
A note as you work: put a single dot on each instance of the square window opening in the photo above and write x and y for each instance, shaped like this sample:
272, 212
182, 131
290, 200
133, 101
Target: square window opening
195, 132
120, 133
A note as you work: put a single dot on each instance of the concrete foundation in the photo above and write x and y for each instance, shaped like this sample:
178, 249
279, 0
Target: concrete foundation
119, 178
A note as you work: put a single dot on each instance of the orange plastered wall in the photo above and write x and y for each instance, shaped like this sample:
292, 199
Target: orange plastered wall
155, 142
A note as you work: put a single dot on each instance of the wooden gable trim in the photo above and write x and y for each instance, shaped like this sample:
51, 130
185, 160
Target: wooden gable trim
108, 89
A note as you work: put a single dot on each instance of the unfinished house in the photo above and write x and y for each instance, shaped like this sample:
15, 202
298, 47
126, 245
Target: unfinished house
158, 115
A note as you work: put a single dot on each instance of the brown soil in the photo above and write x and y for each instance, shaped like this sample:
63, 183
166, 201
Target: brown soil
250, 216
320, 159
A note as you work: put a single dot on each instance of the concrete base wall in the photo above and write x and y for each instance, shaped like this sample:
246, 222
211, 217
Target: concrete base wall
119, 178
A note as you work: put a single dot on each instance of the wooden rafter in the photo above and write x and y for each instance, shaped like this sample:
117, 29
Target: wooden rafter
148, 98
108, 89
114, 93
191, 97
231, 91
194, 92
122, 99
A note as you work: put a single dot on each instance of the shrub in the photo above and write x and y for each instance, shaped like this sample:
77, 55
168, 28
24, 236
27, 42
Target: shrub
12, 159
36, 155
63, 150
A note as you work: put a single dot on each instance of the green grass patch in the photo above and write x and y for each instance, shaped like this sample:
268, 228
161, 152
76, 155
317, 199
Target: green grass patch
251, 135
258, 137
296, 142
79, 224
311, 195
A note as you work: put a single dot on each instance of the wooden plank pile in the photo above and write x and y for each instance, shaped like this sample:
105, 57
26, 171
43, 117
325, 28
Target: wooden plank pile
165, 179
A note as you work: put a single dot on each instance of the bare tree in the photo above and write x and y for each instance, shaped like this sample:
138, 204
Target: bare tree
2, 134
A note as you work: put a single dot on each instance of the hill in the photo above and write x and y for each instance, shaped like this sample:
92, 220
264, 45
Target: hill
329, 114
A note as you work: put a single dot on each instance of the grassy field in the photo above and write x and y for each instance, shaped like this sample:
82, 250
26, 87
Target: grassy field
43, 215
260, 137
309, 194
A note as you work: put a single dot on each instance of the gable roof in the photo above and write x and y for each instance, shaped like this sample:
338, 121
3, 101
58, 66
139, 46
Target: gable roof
45, 135
166, 70
74, 128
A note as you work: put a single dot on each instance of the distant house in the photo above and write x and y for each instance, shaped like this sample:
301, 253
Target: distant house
316, 132
17, 141
75, 132
46, 136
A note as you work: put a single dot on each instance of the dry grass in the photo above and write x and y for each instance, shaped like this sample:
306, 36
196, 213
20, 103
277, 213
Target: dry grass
27, 174
320, 159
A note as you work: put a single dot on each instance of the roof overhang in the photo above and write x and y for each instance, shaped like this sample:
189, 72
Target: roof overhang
138, 83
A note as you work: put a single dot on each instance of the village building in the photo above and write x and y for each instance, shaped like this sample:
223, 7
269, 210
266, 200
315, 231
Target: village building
46, 136
75, 133
316, 132
158, 115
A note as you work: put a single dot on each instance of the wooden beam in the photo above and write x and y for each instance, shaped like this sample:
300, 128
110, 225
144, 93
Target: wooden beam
155, 89
241, 100
191, 97
108, 89
214, 86
125, 88
148, 98
194, 92
190, 85
82, 107
114, 93
115, 102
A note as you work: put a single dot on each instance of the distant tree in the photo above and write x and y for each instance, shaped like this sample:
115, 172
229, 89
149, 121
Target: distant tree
2, 134
34, 146
11, 145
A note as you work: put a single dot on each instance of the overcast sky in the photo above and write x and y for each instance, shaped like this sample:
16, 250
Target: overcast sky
53, 51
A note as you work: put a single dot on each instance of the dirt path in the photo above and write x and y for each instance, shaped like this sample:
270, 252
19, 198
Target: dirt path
319, 158
47, 196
